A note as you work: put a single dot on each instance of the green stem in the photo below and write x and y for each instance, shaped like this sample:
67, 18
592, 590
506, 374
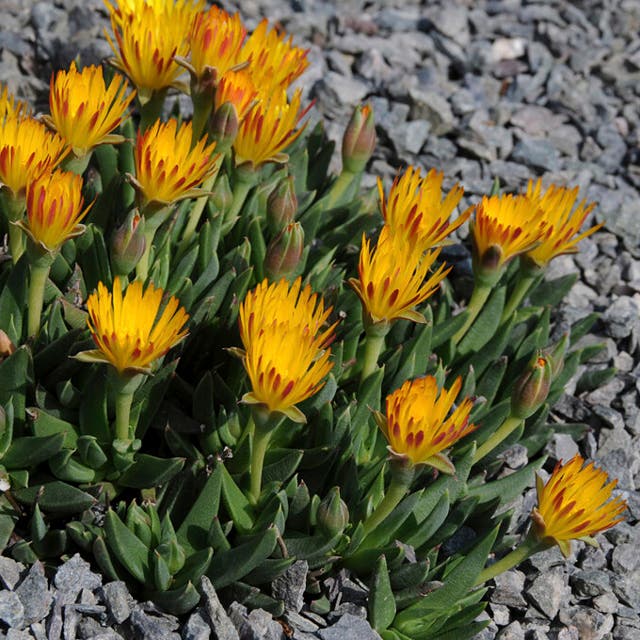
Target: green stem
504, 430
240, 192
521, 290
202, 106
530, 545
340, 187
123, 400
402, 475
478, 298
75, 164
142, 268
196, 212
37, 283
261, 437
373, 346
151, 110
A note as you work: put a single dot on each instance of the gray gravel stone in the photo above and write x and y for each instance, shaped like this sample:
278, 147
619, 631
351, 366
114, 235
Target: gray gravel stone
220, 621
73, 576
10, 572
11, 609
196, 628
290, 586
548, 592
509, 589
349, 628
117, 599
34, 594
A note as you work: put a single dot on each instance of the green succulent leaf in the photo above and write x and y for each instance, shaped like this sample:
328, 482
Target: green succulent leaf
381, 603
236, 502
55, 497
130, 551
27, 452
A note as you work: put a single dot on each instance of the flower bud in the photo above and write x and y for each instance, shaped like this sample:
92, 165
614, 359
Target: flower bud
488, 267
282, 205
223, 126
284, 252
532, 387
333, 514
128, 244
222, 196
359, 140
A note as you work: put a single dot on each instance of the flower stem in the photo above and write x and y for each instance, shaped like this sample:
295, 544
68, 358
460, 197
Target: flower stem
478, 298
261, 437
142, 268
37, 283
530, 546
505, 429
402, 475
151, 109
340, 188
123, 400
17, 242
373, 346
240, 192
521, 290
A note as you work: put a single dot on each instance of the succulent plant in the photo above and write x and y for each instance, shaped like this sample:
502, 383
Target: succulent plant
364, 419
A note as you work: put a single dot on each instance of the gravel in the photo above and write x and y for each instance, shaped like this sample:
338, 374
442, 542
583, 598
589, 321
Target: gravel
511, 89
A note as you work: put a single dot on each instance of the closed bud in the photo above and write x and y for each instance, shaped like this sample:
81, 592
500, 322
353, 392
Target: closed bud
223, 126
282, 205
532, 387
222, 196
284, 252
359, 140
333, 514
488, 267
128, 244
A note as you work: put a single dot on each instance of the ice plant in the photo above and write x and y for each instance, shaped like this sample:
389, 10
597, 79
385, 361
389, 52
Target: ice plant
149, 34
131, 330
416, 207
238, 88
394, 278
216, 43
10, 106
562, 219
27, 150
286, 355
274, 61
503, 227
575, 503
54, 211
421, 421
168, 169
84, 111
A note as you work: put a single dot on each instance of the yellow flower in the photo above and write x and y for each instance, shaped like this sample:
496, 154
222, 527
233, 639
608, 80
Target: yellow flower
10, 106
216, 42
562, 221
392, 278
54, 209
238, 88
148, 35
274, 61
167, 168
83, 110
130, 330
268, 128
575, 504
27, 149
504, 226
416, 208
420, 422
286, 349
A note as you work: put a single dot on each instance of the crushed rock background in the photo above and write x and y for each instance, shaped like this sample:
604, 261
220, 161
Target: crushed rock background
478, 89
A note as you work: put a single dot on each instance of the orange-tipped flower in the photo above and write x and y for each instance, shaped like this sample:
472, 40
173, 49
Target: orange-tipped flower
504, 227
84, 111
10, 106
27, 149
54, 209
420, 422
216, 42
562, 221
148, 35
131, 330
394, 278
268, 128
416, 208
274, 61
238, 88
286, 346
575, 504
167, 168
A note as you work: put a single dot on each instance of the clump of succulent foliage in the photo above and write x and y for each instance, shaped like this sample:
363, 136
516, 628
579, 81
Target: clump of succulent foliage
216, 358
